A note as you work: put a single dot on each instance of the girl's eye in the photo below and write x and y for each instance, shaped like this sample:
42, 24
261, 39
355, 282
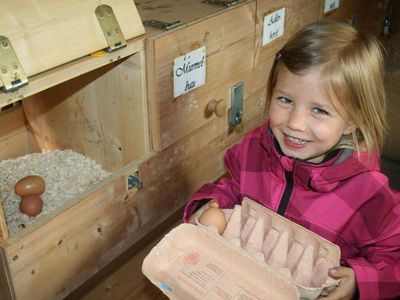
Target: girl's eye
284, 100
320, 111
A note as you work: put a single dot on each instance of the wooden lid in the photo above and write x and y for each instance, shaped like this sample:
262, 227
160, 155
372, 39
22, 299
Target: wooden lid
49, 33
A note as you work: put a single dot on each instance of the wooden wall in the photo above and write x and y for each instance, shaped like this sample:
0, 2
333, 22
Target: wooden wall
392, 146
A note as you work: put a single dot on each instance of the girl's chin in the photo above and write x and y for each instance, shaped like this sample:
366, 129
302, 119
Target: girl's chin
302, 156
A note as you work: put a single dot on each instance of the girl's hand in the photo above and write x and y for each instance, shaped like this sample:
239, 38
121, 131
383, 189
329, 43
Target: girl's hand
212, 203
347, 287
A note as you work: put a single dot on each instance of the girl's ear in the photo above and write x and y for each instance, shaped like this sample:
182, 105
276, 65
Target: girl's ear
350, 127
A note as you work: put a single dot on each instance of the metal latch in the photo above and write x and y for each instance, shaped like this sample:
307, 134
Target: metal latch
236, 111
134, 181
161, 24
11, 72
224, 3
110, 27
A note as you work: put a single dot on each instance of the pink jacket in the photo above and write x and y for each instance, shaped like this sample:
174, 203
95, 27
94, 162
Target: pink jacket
345, 199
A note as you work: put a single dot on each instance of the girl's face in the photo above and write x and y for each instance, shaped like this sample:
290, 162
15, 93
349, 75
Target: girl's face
302, 117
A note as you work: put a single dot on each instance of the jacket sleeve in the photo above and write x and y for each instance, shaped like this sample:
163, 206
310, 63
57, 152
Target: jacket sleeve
225, 190
377, 268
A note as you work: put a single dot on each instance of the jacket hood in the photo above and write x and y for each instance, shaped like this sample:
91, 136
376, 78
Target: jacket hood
322, 177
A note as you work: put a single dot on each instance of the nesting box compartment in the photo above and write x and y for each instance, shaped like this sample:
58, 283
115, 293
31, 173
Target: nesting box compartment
83, 95
226, 37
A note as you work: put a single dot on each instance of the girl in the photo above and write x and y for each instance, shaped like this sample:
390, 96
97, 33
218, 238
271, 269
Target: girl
316, 160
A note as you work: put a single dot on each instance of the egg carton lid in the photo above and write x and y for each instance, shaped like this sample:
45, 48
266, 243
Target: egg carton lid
191, 262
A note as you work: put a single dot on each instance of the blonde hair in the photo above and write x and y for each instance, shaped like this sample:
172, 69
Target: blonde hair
353, 73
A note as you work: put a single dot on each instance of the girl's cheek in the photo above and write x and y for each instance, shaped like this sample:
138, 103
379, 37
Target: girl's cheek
274, 112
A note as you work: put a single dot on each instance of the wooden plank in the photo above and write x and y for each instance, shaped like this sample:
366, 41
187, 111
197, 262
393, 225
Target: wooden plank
368, 18
68, 71
46, 34
80, 241
3, 225
15, 138
170, 11
102, 114
123, 279
180, 117
10, 120
297, 14
392, 146
190, 112
193, 161
236, 42
6, 287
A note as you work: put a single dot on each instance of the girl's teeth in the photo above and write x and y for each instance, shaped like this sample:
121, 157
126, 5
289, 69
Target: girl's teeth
296, 141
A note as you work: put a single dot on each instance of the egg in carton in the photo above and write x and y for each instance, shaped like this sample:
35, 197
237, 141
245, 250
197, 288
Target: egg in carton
300, 254
260, 255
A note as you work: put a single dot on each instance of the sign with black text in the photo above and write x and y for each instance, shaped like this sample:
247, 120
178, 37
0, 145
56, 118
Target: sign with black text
189, 71
274, 26
331, 5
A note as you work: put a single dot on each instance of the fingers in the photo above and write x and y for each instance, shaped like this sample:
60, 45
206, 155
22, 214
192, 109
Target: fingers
213, 203
195, 216
340, 272
192, 219
347, 286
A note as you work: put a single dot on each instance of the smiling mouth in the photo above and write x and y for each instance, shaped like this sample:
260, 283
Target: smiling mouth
296, 140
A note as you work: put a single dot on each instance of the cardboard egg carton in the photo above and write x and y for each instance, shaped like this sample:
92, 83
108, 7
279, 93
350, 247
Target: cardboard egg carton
260, 255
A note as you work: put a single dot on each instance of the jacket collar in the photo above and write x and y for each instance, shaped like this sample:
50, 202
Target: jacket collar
322, 177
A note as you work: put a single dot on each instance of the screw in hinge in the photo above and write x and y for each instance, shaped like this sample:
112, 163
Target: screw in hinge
238, 117
134, 181
386, 26
352, 21
387, 21
225, 3
161, 24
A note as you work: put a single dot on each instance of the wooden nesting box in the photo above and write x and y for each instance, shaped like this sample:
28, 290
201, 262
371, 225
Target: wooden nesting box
73, 77
224, 39
96, 103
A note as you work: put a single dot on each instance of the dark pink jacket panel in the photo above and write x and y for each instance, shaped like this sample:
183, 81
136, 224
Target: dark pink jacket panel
346, 199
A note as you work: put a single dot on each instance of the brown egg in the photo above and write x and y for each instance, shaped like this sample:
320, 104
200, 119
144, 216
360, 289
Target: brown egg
214, 216
30, 185
31, 205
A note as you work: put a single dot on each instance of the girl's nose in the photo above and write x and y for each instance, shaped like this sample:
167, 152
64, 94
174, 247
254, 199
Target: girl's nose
297, 120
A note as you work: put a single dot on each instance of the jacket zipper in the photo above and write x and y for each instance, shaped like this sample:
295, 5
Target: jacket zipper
286, 194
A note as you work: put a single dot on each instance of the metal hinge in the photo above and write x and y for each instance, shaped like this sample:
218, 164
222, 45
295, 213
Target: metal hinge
161, 24
110, 27
224, 3
134, 181
11, 72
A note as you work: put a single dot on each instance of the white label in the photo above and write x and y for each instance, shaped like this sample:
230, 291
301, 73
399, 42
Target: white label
189, 71
331, 5
274, 25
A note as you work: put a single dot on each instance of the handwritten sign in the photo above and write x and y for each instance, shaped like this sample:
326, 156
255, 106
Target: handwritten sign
330, 5
274, 26
189, 71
